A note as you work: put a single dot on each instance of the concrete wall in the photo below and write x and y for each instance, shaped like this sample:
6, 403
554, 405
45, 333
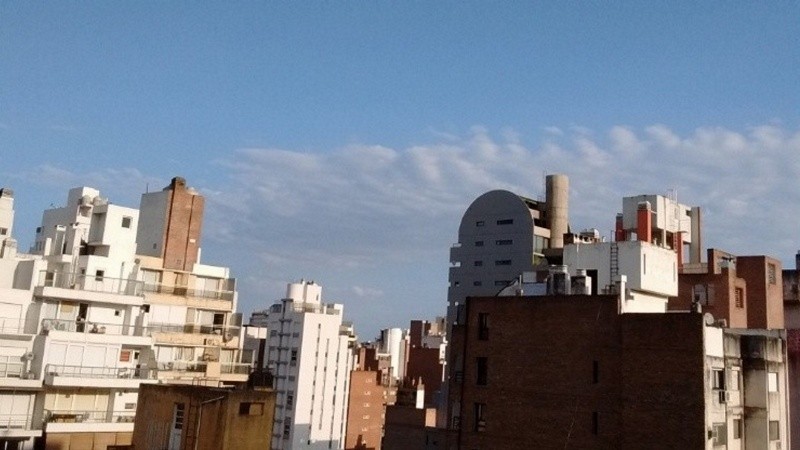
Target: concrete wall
765, 292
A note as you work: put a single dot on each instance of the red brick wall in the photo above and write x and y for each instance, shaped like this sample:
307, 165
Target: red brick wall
365, 411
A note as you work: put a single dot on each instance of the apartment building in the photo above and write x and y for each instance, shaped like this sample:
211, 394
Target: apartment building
84, 321
310, 352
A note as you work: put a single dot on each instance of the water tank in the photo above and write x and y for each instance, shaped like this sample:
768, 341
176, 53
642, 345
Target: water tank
581, 283
558, 281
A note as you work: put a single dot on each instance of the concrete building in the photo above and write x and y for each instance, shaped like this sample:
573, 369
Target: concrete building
310, 351
791, 303
571, 371
86, 321
501, 236
174, 417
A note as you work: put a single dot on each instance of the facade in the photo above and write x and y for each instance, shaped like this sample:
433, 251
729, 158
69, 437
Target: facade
87, 320
571, 371
310, 351
366, 411
791, 303
203, 418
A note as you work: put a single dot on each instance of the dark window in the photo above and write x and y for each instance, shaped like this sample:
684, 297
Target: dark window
479, 223
737, 428
480, 417
482, 370
477, 283
126, 222
290, 399
503, 242
505, 222
502, 262
478, 243
718, 379
3, 231
501, 282
739, 298
595, 423
98, 276
720, 433
595, 372
478, 263
483, 326
251, 409
293, 358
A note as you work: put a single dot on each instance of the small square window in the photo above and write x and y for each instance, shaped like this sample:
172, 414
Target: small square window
482, 372
3, 231
505, 222
98, 275
718, 379
477, 283
478, 243
126, 222
480, 223
737, 428
478, 263
502, 262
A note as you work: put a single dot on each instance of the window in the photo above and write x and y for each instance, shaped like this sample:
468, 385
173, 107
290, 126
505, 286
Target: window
595, 423
502, 262
772, 381
737, 428
478, 243
733, 381
505, 222
130, 405
251, 409
126, 221
503, 242
480, 417
478, 263
125, 356
718, 379
293, 358
287, 427
502, 283
483, 326
290, 399
480, 223
739, 298
178, 414
482, 370
595, 372
477, 283
720, 433
774, 430
3, 231
771, 274
98, 275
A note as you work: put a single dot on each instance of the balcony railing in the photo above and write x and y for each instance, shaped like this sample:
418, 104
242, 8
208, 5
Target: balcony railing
184, 291
12, 369
93, 283
12, 325
183, 366
15, 421
236, 368
83, 326
69, 416
227, 332
100, 372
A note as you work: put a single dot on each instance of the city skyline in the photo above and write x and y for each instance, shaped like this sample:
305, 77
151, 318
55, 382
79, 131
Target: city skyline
342, 144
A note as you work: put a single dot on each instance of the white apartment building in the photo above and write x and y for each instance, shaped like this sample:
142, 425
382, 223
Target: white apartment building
91, 320
310, 352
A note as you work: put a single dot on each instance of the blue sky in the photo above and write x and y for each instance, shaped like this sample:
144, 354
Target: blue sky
342, 141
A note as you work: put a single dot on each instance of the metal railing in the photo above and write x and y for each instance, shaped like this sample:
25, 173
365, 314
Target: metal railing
15, 421
100, 372
184, 291
236, 368
70, 416
183, 366
83, 326
93, 283
318, 308
227, 332
12, 325
11, 369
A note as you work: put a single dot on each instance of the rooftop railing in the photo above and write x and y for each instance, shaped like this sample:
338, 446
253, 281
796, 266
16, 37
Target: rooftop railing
92, 283
15, 421
70, 416
190, 328
129, 373
183, 366
236, 368
184, 291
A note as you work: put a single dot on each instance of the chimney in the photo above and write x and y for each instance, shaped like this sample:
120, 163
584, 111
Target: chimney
619, 233
644, 219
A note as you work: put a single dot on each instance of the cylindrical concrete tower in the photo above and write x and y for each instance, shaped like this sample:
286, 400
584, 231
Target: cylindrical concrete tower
557, 198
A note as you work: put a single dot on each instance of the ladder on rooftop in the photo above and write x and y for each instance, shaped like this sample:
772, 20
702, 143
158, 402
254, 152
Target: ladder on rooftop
614, 262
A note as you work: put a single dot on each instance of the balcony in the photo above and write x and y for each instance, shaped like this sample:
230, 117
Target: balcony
100, 377
88, 421
96, 331
17, 426
183, 291
93, 288
14, 375
12, 325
